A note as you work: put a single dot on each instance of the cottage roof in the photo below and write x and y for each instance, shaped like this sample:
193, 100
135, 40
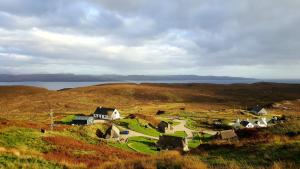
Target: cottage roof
104, 110
227, 134
244, 123
257, 109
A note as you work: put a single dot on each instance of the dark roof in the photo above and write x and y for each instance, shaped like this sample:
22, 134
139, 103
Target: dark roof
256, 109
244, 123
104, 110
163, 123
82, 120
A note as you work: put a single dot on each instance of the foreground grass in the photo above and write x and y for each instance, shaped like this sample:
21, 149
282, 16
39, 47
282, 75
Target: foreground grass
9, 161
24, 138
252, 156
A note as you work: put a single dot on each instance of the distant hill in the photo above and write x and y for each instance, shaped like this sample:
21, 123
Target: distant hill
108, 78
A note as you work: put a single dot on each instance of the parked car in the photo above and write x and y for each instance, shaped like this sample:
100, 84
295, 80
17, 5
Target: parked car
124, 132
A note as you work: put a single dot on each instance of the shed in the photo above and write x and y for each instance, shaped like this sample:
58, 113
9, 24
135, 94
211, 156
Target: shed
229, 135
159, 112
164, 127
82, 120
112, 132
172, 142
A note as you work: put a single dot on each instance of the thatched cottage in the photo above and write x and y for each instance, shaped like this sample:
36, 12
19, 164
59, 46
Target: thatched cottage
228, 135
172, 142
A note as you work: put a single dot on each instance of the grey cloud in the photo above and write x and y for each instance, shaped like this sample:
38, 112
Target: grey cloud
194, 36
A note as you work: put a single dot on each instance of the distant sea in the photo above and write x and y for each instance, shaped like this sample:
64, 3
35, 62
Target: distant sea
62, 85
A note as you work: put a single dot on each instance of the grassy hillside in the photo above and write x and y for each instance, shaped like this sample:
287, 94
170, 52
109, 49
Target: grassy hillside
140, 98
25, 110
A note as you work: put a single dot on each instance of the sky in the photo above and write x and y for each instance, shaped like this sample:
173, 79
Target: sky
249, 38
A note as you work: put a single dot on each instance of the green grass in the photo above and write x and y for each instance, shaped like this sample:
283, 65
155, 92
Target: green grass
10, 161
195, 142
137, 126
191, 124
179, 134
142, 145
138, 144
23, 138
123, 146
172, 122
68, 119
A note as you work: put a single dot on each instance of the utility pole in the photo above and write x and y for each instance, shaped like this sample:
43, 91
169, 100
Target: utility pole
51, 119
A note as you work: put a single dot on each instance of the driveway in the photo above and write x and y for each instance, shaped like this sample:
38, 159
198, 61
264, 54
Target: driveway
189, 132
181, 127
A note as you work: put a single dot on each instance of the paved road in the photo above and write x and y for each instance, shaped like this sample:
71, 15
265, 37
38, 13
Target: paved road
181, 127
189, 132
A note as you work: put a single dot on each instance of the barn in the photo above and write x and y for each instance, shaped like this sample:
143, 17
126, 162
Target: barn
82, 120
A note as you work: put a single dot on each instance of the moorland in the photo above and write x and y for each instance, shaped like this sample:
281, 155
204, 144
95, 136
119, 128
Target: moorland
25, 110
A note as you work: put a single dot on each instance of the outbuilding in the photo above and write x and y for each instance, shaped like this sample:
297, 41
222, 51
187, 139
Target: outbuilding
112, 133
257, 110
228, 135
82, 120
165, 127
172, 142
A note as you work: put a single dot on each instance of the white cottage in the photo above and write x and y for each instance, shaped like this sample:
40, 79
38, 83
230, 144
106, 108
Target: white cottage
257, 110
247, 124
261, 122
106, 113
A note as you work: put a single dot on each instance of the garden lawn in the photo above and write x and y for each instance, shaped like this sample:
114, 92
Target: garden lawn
195, 142
135, 125
178, 134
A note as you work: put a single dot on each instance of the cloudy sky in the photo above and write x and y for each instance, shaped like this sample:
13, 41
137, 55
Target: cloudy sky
249, 38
